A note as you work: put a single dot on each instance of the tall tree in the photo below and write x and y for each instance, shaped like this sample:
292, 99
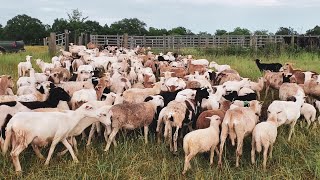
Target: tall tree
180, 31
1, 32
286, 31
261, 32
314, 31
59, 25
220, 32
132, 26
24, 27
204, 33
93, 27
156, 32
240, 31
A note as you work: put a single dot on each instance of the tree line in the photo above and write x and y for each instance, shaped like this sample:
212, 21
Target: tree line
32, 30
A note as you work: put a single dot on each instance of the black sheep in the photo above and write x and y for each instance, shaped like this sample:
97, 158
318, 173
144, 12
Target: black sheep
232, 96
274, 67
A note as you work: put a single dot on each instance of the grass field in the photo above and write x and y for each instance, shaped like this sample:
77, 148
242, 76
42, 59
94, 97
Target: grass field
132, 159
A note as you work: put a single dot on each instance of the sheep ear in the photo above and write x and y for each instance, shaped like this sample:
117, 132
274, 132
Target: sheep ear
208, 118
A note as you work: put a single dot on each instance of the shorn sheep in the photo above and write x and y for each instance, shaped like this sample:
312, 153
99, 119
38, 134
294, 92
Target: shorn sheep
133, 115
264, 134
39, 128
201, 140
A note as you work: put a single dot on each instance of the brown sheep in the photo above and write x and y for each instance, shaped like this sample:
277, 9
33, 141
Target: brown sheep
273, 80
103, 83
203, 122
90, 45
6, 82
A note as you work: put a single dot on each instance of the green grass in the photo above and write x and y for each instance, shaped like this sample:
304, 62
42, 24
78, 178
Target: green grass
132, 159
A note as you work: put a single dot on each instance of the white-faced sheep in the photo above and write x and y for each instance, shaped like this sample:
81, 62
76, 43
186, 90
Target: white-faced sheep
201, 140
24, 67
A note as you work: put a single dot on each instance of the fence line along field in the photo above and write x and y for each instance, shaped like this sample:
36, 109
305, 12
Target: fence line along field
298, 158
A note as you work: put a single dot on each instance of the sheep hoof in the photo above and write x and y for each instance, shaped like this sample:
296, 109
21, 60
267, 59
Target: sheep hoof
46, 163
76, 161
183, 173
175, 153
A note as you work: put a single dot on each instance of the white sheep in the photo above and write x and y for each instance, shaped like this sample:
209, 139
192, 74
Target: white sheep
201, 140
44, 66
23, 67
51, 126
309, 112
82, 96
264, 135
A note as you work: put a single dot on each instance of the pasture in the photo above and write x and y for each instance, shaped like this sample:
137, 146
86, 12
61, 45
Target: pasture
132, 159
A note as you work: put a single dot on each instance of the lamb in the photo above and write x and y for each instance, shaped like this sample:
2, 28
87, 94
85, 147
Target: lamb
201, 140
44, 66
309, 113
135, 95
53, 126
264, 134
24, 67
287, 112
218, 67
273, 67
123, 118
239, 123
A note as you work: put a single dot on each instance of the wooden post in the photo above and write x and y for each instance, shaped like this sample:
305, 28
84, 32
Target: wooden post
66, 32
81, 39
86, 39
45, 42
164, 42
207, 42
52, 44
125, 40
292, 40
144, 41
199, 41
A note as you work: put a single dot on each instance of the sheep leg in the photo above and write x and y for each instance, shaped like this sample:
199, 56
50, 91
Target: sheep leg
239, 148
111, 137
146, 129
265, 156
175, 140
68, 146
223, 137
292, 129
212, 155
187, 164
170, 137
83, 135
75, 144
52, 147
15, 157
37, 151
98, 125
92, 130
159, 133
62, 152
272, 93
267, 89
270, 150
309, 122
253, 150
258, 94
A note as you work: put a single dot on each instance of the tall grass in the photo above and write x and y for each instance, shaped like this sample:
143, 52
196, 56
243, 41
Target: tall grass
132, 159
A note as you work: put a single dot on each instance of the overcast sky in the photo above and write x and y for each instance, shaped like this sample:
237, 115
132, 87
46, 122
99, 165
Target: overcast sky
197, 15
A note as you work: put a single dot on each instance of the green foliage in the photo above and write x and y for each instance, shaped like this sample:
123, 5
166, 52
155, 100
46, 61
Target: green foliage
1, 32
93, 27
204, 33
156, 32
240, 31
286, 31
180, 31
76, 16
220, 32
314, 31
132, 26
59, 25
261, 32
23, 27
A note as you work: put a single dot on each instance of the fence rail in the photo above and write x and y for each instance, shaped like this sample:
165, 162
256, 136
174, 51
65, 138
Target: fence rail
190, 40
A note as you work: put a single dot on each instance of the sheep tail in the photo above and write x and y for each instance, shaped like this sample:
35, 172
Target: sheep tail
258, 145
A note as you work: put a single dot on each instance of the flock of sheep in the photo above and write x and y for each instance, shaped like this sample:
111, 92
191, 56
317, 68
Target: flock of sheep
168, 94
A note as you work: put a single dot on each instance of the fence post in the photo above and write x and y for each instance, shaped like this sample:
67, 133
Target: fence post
292, 40
207, 42
45, 42
144, 41
125, 40
164, 42
66, 32
86, 39
52, 44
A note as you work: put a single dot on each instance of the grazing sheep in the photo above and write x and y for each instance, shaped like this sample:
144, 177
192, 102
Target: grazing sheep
289, 89
273, 80
273, 67
201, 140
256, 86
309, 112
44, 66
264, 135
123, 117
135, 95
239, 123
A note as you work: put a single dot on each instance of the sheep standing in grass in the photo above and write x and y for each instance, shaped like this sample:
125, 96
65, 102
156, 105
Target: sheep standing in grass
24, 67
264, 134
201, 140
133, 115
309, 112
239, 123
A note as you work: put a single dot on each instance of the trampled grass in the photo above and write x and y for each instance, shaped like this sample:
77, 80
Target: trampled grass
132, 159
